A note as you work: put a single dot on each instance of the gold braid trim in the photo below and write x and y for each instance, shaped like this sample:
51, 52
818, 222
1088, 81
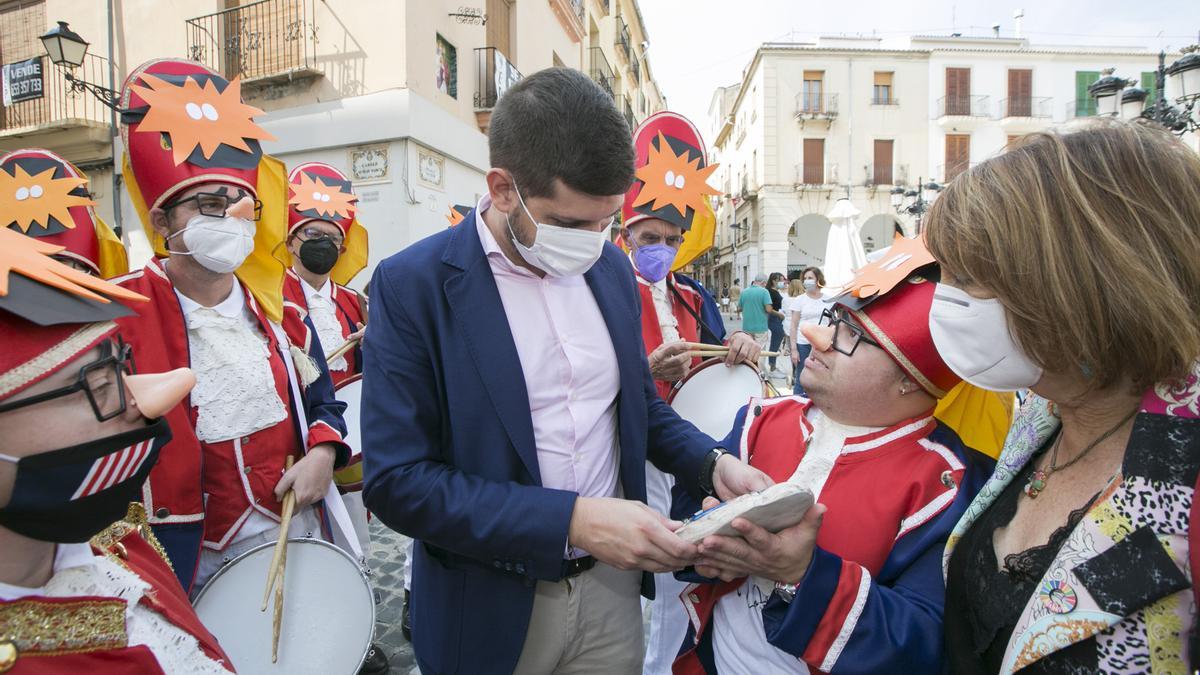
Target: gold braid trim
36, 626
135, 521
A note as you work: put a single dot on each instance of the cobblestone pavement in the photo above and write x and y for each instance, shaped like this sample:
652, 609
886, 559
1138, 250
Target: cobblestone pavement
388, 549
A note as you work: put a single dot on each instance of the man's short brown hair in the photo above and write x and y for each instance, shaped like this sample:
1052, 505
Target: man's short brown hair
1090, 237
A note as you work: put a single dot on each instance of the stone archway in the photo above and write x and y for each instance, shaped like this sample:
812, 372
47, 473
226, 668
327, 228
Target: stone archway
878, 231
806, 241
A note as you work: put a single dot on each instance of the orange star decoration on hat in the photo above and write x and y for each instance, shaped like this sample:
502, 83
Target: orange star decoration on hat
673, 180
34, 199
880, 276
29, 257
194, 115
312, 194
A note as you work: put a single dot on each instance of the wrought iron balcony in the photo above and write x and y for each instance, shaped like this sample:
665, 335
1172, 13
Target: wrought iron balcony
494, 75
627, 111
810, 105
962, 106
59, 105
600, 71
624, 41
1024, 106
261, 40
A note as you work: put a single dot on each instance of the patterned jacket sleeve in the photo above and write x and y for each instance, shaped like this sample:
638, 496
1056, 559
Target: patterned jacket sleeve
844, 620
324, 412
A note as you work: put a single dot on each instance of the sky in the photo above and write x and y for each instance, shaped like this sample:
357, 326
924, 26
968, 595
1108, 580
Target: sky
699, 45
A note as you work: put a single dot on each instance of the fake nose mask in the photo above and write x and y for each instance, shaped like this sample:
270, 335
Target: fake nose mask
156, 393
820, 337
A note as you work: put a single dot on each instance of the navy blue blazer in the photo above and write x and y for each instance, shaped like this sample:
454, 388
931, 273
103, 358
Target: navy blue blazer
449, 453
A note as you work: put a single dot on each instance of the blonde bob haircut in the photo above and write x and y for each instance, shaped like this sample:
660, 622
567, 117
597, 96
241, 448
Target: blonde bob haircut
1090, 238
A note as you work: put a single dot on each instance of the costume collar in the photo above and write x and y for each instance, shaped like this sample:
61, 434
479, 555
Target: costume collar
231, 307
915, 426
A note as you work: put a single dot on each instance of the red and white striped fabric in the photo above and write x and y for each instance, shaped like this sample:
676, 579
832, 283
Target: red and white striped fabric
114, 468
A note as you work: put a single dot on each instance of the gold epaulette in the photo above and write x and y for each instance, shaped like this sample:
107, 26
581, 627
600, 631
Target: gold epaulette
52, 626
135, 521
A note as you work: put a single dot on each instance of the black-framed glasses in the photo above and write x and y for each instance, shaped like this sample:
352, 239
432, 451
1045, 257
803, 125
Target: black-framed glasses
215, 204
316, 234
101, 381
847, 334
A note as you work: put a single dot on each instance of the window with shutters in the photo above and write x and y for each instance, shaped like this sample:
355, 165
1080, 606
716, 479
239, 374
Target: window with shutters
811, 92
881, 93
882, 169
1020, 93
1149, 82
1085, 105
814, 161
958, 91
958, 154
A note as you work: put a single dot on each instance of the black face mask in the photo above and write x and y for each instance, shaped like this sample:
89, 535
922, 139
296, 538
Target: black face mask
319, 255
69, 495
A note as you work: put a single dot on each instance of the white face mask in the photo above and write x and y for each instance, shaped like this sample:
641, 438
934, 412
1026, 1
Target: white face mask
221, 245
810, 284
972, 337
559, 251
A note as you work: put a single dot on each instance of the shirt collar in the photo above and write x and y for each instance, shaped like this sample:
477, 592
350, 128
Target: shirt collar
490, 247
326, 291
230, 307
66, 556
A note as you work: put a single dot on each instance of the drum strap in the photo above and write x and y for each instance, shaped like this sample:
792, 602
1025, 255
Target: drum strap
707, 335
334, 505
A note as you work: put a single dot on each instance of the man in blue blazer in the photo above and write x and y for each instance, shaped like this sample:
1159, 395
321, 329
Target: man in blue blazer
508, 407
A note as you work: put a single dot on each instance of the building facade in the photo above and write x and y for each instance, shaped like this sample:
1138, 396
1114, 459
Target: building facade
396, 94
855, 118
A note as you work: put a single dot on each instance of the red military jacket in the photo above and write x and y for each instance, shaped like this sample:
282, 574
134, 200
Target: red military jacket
889, 497
74, 635
351, 311
233, 477
689, 329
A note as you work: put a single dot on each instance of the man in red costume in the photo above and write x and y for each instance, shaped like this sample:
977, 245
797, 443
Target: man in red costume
857, 586
669, 195
215, 305
80, 436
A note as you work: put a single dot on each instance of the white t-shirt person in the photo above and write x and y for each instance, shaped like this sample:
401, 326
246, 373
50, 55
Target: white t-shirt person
809, 309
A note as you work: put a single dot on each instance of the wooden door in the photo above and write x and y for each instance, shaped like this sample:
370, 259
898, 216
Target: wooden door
1020, 93
882, 170
499, 27
958, 91
958, 154
814, 161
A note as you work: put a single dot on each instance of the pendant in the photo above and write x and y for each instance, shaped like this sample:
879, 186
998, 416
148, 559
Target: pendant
1058, 596
1035, 485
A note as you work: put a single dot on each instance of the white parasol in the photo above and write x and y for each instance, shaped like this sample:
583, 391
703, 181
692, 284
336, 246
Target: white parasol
844, 252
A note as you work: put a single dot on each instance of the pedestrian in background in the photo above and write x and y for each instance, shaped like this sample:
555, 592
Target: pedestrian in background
805, 308
776, 284
795, 289
735, 296
753, 305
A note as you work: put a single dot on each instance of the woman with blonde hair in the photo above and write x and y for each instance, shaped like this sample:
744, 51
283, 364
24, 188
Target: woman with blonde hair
1071, 266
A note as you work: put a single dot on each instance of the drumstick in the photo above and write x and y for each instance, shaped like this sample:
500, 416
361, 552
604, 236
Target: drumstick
722, 350
346, 346
289, 503
277, 621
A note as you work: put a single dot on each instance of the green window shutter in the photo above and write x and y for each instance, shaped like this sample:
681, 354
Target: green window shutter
1085, 105
1148, 80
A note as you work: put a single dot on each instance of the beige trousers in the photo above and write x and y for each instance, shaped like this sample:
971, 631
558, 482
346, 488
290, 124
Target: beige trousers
589, 624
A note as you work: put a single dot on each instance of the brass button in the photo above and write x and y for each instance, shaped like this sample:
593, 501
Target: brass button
693, 598
161, 512
8, 655
948, 479
245, 440
121, 551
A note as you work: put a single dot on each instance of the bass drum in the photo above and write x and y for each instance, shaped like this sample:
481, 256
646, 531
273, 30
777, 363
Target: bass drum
328, 611
711, 394
349, 477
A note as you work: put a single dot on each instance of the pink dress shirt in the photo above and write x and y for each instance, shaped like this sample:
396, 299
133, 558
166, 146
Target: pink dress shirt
570, 371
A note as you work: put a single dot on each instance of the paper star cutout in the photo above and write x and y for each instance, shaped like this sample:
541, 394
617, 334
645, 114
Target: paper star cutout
673, 180
312, 194
26, 199
455, 216
30, 258
901, 260
199, 116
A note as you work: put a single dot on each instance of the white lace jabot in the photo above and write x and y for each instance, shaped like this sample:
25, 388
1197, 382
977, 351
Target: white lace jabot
79, 573
235, 391
324, 318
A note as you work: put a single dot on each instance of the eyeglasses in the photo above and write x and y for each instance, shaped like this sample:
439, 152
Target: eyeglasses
101, 381
846, 334
315, 234
215, 204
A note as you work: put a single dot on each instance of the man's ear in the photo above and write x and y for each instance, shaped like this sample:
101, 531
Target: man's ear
502, 190
907, 386
160, 223
627, 236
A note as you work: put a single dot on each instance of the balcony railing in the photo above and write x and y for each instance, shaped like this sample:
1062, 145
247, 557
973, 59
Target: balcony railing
58, 102
962, 106
494, 74
600, 71
637, 70
623, 39
884, 100
257, 40
1024, 106
627, 111
812, 175
811, 105
883, 174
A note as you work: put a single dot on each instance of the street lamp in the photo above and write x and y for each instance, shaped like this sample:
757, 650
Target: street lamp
67, 49
915, 202
1113, 99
